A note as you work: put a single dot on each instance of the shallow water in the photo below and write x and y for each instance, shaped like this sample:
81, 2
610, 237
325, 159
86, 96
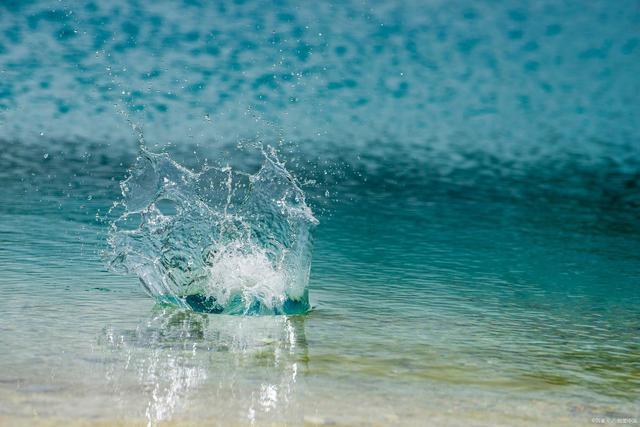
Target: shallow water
474, 172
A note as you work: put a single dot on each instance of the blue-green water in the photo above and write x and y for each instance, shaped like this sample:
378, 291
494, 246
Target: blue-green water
218, 240
475, 170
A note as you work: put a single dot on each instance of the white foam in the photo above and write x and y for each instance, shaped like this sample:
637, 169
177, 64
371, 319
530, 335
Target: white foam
234, 271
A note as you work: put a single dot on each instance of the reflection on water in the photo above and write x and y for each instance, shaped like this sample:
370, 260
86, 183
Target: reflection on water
245, 366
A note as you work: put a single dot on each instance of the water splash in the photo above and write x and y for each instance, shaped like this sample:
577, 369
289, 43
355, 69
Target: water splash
218, 240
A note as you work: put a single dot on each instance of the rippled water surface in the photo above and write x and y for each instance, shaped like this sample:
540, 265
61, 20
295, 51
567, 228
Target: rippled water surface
475, 172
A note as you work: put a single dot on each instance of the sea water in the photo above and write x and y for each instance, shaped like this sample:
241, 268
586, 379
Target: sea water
461, 179
216, 241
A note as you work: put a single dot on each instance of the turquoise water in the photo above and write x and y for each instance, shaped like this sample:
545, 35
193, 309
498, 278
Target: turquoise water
219, 240
474, 171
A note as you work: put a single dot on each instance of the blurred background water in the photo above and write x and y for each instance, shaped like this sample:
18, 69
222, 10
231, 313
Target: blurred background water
475, 171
